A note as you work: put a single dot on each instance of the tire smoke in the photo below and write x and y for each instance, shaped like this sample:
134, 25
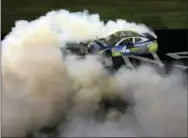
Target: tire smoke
40, 89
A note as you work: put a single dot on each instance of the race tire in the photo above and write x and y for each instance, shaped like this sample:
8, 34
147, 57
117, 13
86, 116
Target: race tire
107, 53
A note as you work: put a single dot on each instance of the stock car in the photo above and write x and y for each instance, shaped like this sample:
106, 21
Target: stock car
124, 43
120, 43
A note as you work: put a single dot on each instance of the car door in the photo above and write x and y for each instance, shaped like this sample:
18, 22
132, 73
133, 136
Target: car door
123, 45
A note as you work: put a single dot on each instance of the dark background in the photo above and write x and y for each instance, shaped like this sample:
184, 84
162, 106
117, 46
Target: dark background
158, 14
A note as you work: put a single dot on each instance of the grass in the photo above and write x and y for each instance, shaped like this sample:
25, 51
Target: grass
158, 14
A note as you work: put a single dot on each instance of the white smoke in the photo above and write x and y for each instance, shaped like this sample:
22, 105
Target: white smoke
41, 89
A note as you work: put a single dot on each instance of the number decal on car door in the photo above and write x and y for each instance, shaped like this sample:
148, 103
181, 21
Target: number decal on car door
124, 49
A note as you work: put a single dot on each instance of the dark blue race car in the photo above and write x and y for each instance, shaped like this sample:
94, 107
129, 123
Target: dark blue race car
123, 43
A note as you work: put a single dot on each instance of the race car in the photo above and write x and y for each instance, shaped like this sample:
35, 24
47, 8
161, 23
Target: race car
120, 43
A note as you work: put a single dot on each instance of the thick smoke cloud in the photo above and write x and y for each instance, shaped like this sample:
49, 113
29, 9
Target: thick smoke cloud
40, 89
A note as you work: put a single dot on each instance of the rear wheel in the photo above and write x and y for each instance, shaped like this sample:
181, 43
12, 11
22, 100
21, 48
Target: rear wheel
107, 53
